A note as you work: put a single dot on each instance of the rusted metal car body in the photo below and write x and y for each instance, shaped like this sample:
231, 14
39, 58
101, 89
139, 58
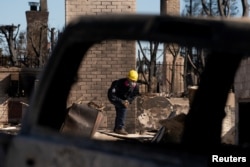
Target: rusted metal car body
39, 143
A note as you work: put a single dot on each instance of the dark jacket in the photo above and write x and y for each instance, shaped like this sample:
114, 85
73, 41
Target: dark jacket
122, 90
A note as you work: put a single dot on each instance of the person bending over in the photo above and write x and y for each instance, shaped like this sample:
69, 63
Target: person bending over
122, 93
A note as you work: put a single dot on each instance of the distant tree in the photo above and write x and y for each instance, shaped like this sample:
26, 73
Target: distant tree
174, 50
196, 57
245, 8
37, 39
214, 8
21, 49
37, 44
14, 43
10, 33
53, 36
147, 65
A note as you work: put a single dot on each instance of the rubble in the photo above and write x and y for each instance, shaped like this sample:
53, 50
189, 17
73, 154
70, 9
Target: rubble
161, 120
151, 109
10, 129
173, 128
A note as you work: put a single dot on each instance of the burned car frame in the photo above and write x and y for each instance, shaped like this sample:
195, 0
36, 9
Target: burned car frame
38, 144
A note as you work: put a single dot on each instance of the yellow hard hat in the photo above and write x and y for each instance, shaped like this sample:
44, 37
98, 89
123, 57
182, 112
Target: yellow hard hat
133, 75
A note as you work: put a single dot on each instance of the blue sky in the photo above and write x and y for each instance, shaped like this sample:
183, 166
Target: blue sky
13, 11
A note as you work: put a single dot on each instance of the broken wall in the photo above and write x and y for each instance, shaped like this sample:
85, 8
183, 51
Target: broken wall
157, 111
153, 109
17, 80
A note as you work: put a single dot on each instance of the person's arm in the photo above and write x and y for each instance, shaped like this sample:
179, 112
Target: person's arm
113, 98
116, 100
134, 94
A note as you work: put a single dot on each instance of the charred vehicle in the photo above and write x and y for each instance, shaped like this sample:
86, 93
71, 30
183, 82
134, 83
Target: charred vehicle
40, 144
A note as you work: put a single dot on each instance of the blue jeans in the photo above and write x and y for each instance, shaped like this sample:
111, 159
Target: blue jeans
120, 116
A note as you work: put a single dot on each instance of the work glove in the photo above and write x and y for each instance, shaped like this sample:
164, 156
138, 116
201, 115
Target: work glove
125, 103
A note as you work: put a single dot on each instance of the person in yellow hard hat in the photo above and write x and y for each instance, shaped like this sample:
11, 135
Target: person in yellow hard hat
121, 93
